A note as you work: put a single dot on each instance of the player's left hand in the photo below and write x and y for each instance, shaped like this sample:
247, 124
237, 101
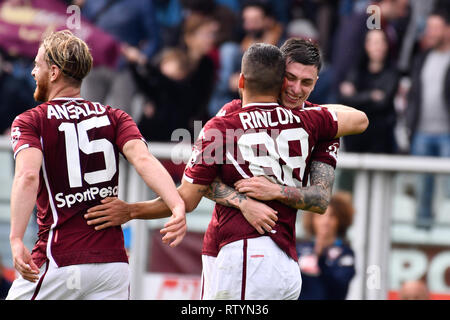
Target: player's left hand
112, 212
258, 188
23, 262
175, 230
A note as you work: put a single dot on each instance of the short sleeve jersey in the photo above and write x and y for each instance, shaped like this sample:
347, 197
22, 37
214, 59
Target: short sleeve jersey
324, 151
80, 142
263, 139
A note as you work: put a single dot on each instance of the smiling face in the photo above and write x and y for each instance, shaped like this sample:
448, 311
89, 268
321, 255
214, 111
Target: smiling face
41, 74
300, 82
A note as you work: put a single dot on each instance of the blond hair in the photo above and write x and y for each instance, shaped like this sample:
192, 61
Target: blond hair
69, 53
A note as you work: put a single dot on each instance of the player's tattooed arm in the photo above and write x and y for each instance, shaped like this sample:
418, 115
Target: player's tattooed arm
314, 197
258, 214
225, 195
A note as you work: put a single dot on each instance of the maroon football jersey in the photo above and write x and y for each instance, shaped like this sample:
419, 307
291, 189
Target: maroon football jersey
258, 139
324, 151
80, 142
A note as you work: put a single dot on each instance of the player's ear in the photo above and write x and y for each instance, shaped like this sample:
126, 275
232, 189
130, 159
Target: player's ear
55, 72
241, 81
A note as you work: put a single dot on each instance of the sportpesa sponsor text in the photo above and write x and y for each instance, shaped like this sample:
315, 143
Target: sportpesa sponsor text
89, 194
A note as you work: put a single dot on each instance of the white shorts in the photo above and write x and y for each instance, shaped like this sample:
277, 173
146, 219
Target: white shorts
93, 281
250, 269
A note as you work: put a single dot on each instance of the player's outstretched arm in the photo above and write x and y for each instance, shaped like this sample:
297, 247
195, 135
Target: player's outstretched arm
259, 215
190, 193
313, 198
174, 230
154, 174
23, 198
350, 120
113, 212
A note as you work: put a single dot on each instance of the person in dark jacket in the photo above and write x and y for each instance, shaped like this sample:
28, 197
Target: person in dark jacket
134, 25
327, 263
348, 43
179, 87
428, 111
371, 87
165, 87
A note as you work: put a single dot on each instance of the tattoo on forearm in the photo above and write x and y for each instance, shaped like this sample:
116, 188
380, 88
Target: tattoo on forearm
239, 196
223, 194
219, 190
315, 197
322, 174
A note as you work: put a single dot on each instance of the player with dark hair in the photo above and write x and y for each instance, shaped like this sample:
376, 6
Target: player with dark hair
261, 138
303, 63
302, 51
67, 160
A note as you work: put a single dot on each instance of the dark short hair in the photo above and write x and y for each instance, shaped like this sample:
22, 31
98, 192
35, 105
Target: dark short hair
263, 66
262, 4
442, 13
302, 51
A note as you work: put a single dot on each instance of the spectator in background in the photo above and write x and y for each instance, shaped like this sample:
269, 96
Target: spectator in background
227, 19
178, 90
166, 92
323, 15
428, 111
133, 23
327, 261
371, 86
280, 9
226, 34
349, 39
225, 86
4, 283
420, 10
16, 93
258, 25
169, 14
414, 290
199, 40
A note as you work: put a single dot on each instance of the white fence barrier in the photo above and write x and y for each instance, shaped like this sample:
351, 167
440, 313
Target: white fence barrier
371, 231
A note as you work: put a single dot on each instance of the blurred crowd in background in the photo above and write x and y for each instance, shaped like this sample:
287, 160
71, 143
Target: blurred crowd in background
170, 62
180, 59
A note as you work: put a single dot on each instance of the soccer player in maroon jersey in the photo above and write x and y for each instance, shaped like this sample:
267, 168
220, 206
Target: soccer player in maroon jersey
284, 155
303, 63
67, 155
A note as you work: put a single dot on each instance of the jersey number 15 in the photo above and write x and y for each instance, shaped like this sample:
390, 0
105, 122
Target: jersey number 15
80, 142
